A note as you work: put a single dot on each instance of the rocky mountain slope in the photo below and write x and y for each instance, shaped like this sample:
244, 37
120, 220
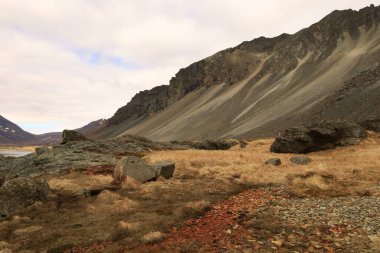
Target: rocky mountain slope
12, 134
329, 70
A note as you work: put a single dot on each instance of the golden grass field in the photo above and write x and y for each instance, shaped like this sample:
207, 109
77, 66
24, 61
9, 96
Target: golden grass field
140, 213
19, 148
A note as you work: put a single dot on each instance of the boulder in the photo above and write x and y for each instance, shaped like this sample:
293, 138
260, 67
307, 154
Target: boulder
41, 150
135, 167
71, 135
164, 169
301, 160
273, 161
20, 192
214, 144
319, 136
371, 124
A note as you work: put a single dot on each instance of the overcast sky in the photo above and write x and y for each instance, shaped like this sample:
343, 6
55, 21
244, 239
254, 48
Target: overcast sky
64, 63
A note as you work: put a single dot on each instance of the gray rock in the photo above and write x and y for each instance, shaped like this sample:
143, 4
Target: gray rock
18, 193
164, 169
42, 150
71, 135
135, 167
301, 160
274, 161
320, 136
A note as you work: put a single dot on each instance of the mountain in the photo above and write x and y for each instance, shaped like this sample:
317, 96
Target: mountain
329, 70
11, 134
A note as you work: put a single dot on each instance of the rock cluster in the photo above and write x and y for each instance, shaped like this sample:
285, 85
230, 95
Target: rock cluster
319, 136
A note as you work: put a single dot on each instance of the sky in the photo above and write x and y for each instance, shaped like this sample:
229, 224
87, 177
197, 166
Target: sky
66, 63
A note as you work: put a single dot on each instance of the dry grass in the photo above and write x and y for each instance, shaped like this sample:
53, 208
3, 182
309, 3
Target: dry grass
201, 178
195, 208
153, 237
355, 169
19, 148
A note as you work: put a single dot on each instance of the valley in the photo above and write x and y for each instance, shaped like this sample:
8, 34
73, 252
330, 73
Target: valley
269, 146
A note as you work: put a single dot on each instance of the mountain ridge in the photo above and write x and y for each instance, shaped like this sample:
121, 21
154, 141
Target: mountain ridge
12, 134
240, 84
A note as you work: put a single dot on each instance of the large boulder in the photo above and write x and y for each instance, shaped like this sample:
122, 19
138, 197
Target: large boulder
131, 166
71, 135
371, 124
164, 169
319, 136
20, 192
214, 144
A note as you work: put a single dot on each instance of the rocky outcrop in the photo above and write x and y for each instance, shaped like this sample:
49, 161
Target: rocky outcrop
71, 135
18, 193
141, 105
315, 137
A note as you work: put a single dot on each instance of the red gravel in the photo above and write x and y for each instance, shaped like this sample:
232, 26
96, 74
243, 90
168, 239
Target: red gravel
218, 229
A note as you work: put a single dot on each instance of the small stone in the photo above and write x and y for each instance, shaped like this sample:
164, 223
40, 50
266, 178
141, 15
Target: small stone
300, 160
273, 161
164, 169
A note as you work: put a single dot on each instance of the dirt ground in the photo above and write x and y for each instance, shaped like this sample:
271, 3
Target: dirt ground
217, 201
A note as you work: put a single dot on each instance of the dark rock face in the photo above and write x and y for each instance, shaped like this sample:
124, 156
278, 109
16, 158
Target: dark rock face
71, 135
18, 193
371, 124
274, 162
164, 169
301, 160
135, 167
141, 105
319, 136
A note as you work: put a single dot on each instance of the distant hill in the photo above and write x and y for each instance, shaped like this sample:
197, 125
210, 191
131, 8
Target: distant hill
330, 70
12, 134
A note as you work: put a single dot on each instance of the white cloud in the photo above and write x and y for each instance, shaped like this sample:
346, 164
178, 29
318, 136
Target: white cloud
66, 63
